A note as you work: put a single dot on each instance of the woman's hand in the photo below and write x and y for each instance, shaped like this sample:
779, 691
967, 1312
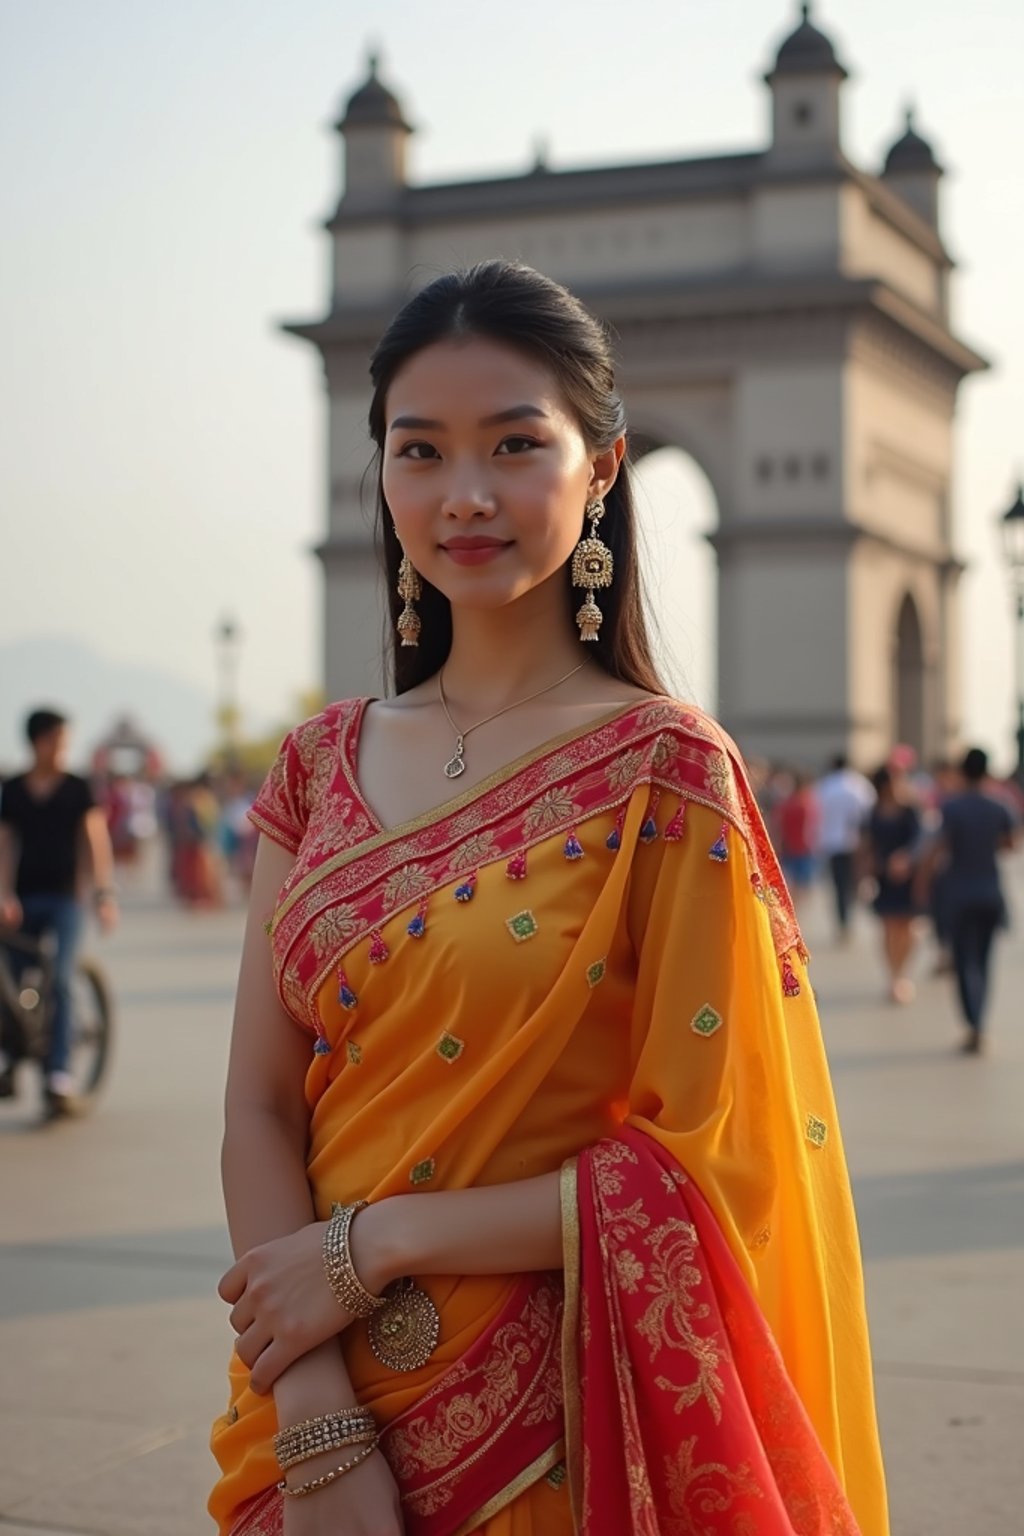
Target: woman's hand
362, 1503
283, 1305
900, 866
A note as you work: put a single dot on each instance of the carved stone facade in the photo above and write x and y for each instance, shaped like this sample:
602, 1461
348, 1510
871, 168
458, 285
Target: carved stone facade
782, 316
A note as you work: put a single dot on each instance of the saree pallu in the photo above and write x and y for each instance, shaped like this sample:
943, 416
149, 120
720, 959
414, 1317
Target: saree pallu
650, 1369
594, 942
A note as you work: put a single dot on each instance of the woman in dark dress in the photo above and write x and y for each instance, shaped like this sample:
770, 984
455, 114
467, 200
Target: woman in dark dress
892, 836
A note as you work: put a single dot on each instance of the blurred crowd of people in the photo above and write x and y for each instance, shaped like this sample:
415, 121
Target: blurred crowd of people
203, 823
914, 846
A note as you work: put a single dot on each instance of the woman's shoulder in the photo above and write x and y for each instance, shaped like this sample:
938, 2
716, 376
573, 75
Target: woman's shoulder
324, 728
672, 719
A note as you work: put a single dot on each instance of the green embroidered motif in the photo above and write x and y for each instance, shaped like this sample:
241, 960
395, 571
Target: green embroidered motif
523, 926
596, 972
355, 1053
423, 1172
449, 1048
556, 1477
706, 1021
817, 1131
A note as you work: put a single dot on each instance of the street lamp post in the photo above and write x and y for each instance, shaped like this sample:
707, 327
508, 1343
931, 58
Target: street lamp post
227, 636
1012, 527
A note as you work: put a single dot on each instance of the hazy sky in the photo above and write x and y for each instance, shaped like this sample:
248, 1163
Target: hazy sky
165, 169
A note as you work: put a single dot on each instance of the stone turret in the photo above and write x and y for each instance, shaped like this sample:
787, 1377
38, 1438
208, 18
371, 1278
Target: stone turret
375, 133
912, 170
806, 84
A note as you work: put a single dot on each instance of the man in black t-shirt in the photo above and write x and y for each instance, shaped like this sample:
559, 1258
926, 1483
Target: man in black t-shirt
47, 819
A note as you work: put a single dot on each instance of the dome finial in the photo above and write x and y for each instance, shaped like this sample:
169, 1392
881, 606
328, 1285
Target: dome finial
807, 50
373, 102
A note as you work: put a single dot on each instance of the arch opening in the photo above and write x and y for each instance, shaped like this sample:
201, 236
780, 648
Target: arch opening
909, 685
677, 509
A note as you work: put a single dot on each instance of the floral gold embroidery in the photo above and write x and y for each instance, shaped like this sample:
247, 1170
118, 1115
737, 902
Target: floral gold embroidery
474, 851
664, 752
438, 1440
694, 1489
629, 1270
423, 1172
332, 928
449, 1048
409, 881
623, 769
550, 810
596, 972
355, 1053
718, 776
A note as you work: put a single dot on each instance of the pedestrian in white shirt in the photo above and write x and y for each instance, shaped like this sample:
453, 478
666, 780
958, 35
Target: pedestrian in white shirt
845, 798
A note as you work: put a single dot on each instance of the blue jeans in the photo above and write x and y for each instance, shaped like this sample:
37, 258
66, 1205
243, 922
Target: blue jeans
972, 930
64, 917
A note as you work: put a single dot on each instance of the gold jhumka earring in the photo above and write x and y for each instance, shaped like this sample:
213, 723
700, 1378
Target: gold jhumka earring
592, 568
410, 590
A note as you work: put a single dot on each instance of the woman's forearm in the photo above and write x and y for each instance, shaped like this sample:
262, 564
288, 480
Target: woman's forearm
263, 1169
502, 1229
267, 1195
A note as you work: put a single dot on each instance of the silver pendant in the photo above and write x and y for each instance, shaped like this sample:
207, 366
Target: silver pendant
455, 764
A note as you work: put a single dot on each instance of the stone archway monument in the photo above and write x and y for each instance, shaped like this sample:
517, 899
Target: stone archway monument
782, 315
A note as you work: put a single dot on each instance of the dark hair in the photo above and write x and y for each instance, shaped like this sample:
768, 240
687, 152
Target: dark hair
41, 722
512, 304
839, 762
975, 766
881, 779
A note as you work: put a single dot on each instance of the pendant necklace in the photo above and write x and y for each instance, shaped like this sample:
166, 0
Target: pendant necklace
456, 764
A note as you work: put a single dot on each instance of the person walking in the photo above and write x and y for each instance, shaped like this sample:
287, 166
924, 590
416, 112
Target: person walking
540, 1213
976, 827
798, 838
892, 837
44, 814
845, 799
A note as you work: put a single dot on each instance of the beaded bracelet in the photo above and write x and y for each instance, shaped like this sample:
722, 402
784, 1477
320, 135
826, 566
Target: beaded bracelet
295, 1445
316, 1483
322, 1421
349, 1291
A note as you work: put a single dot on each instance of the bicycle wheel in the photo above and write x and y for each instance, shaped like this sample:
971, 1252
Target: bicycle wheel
92, 1028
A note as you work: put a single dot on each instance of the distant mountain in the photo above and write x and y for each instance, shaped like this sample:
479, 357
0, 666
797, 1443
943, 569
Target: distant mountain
96, 691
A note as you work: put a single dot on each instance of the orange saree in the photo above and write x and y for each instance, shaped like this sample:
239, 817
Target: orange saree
592, 949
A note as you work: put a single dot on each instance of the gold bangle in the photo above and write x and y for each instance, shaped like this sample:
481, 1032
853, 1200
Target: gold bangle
302, 1443
316, 1483
349, 1291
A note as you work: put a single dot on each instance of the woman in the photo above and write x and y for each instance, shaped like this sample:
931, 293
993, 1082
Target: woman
535, 992
892, 839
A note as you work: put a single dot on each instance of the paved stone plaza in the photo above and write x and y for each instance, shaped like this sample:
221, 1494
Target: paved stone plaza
113, 1342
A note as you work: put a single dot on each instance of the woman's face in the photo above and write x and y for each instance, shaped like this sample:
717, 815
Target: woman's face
485, 471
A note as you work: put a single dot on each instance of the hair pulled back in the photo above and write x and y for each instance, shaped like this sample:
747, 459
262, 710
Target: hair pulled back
511, 303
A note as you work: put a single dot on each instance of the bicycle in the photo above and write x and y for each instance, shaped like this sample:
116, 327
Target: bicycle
26, 1010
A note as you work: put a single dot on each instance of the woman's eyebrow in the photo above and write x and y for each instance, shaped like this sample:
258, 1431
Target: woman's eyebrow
427, 424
